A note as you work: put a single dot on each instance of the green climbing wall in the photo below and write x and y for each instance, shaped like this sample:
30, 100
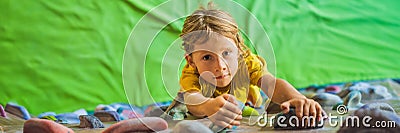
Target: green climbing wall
64, 55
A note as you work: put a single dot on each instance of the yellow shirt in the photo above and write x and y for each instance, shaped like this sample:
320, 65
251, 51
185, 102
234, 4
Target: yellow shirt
243, 86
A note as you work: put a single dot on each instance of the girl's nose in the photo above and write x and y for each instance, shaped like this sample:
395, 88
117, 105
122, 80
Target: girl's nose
221, 65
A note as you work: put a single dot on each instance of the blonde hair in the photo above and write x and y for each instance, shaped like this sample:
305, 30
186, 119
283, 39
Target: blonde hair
205, 21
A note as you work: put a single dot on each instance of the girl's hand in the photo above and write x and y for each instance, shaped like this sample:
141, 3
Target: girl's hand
223, 111
304, 107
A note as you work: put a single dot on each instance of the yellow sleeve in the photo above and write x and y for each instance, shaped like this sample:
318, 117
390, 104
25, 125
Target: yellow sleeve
257, 67
189, 81
255, 96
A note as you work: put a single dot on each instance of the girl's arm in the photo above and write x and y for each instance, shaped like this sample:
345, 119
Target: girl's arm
282, 92
221, 110
196, 103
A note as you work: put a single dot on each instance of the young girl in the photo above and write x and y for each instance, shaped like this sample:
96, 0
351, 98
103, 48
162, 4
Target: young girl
220, 69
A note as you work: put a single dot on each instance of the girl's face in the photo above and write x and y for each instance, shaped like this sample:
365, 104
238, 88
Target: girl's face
216, 60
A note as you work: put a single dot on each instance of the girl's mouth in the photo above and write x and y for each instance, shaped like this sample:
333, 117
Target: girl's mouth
221, 77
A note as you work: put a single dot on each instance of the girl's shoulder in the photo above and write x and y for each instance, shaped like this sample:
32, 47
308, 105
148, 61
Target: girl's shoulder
253, 57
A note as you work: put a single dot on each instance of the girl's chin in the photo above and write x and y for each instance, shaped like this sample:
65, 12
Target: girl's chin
220, 82
223, 84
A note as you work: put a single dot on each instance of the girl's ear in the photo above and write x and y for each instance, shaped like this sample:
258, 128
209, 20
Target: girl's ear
189, 60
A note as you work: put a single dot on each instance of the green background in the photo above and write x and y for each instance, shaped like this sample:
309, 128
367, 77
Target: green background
64, 55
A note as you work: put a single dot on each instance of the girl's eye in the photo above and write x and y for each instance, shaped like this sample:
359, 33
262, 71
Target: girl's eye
207, 57
225, 53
